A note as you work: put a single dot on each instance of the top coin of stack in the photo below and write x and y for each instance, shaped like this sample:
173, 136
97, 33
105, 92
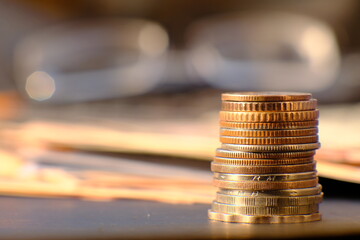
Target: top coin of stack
268, 144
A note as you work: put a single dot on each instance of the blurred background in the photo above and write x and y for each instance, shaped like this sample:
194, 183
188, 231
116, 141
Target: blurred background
53, 52
110, 99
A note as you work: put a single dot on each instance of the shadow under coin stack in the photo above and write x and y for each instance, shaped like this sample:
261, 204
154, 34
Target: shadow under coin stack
265, 168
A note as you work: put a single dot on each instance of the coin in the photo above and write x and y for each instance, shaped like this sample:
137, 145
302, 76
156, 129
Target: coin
220, 152
268, 133
262, 162
269, 201
265, 170
265, 177
269, 141
265, 96
269, 106
271, 148
265, 185
269, 116
268, 210
216, 167
281, 193
237, 218
270, 125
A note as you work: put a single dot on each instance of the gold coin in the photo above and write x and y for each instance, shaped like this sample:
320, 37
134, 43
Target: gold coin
269, 201
220, 152
265, 185
262, 162
269, 106
265, 177
268, 133
269, 210
281, 193
265, 96
271, 148
269, 116
240, 218
270, 125
269, 141
308, 167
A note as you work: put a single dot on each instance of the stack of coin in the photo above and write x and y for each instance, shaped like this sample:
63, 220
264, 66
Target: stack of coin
265, 168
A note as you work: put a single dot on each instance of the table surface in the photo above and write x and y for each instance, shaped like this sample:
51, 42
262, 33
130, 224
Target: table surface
28, 218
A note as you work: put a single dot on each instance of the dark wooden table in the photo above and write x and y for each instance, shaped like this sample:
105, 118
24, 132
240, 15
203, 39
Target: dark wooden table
27, 218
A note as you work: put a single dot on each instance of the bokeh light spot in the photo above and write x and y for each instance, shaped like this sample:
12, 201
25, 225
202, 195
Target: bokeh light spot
153, 40
40, 86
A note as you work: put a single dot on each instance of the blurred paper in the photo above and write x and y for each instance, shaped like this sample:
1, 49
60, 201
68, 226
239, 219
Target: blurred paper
339, 131
37, 179
100, 138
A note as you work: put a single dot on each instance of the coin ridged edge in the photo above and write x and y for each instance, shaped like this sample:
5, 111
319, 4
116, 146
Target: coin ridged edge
283, 193
262, 162
269, 106
269, 116
215, 167
269, 125
269, 141
237, 218
271, 148
269, 201
220, 152
269, 210
234, 132
264, 185
265, 177
265, 96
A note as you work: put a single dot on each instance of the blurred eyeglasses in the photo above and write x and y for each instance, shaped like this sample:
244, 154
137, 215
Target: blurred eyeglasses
264, 51
128, 57
92, 60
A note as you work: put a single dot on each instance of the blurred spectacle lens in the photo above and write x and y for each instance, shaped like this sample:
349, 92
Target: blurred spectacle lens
264, 51
91, 60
